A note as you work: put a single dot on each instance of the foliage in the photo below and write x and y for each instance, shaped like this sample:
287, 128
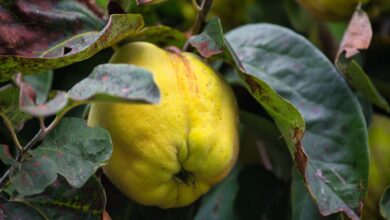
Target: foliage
310, 90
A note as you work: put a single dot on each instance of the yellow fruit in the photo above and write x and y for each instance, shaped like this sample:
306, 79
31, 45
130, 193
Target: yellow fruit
379, 137
333, 10
171, 153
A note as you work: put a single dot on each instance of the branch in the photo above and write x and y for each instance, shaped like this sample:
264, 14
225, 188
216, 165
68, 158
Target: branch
200, 19
42, 133
11, 130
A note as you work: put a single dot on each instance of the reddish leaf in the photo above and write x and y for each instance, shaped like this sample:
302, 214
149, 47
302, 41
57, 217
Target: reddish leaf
27, 94
357, 36
30, 27
28, 102
210, 42
77, 48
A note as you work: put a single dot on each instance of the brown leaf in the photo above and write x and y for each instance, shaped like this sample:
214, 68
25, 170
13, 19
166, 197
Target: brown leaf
357, 36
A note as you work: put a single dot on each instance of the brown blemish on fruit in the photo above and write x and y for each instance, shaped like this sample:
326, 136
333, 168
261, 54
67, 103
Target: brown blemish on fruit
188, 73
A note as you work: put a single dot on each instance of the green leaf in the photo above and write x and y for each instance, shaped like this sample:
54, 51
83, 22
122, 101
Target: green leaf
5, 155
62, 201
249, 192
9, 107
303, 205
161, 35
385, 204
77, 48
335, 140
360, 81
33, 175
286, 116
117, 82
218, 204
76, 150
19, 211
41, 83
50, 108
107, 82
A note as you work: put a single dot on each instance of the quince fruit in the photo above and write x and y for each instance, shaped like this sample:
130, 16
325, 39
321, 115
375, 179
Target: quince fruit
333, 10
379, 179
171, 153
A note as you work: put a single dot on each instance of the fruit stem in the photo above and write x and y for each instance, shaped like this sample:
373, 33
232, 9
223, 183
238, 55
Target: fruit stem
183, 176
200, 20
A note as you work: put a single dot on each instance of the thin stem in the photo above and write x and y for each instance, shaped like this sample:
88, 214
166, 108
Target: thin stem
43, 131
38, 137
359, 6
42, 123
200, 19
11, 130
5, 177
196, 5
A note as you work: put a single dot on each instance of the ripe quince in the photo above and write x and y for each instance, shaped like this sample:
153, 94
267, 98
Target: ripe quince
171, 153
332, 10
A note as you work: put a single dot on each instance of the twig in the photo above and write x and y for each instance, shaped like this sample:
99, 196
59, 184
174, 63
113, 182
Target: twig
42, 123
11, 130
4, 177
43, 131
196, 5
200, 19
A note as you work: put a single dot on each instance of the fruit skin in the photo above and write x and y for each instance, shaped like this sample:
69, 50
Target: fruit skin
332, 10
379, 179
192, 134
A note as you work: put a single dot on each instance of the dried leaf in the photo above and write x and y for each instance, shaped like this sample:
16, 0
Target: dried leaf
357, 36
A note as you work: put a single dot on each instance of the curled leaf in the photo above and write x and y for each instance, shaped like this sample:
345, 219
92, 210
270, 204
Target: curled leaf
117, 82
28, 100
